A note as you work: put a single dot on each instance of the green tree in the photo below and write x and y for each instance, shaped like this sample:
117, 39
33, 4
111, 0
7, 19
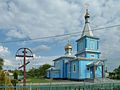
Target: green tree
15, 74
15, 80
31, 73
115, 74
1, 63
20, 72
43, 69
38, 73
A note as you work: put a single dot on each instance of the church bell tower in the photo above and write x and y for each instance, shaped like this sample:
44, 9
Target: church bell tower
87, 45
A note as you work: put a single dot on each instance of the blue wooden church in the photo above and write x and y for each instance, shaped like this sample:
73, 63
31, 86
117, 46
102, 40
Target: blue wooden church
86, 63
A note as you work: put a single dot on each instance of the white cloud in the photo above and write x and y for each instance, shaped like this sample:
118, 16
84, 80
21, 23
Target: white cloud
36, 61
40, 48
4, 51
14, 33
40, 60
53, 17
8, 62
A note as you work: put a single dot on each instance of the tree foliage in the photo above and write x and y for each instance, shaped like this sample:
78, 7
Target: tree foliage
43, 69
38, 73
15, 74
32, 72
115, 74
1, 63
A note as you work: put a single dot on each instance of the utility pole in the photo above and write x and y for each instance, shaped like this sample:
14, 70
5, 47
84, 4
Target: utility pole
24, 53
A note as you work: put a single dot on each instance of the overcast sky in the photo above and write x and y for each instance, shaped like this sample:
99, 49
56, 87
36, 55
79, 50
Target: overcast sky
30, 19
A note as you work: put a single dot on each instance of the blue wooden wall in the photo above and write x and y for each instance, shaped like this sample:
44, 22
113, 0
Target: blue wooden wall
58, 64
91, 43
74, 74
84, 72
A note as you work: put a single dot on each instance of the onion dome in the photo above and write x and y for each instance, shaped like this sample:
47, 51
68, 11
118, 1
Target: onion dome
68, 49
68, 46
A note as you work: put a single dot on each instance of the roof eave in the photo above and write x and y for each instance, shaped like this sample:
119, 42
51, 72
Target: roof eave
88, 37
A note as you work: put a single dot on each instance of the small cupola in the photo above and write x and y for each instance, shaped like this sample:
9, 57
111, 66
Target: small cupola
68, 49
87, 29
87, 16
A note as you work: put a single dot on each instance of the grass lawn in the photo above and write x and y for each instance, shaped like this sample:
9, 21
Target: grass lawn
37, 80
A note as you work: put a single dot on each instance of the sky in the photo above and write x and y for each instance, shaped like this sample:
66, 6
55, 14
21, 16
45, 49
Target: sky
33, 19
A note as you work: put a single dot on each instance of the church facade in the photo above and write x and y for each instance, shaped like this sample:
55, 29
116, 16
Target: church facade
86, 64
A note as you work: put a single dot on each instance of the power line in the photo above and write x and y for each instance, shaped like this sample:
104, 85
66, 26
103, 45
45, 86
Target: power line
96, 29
